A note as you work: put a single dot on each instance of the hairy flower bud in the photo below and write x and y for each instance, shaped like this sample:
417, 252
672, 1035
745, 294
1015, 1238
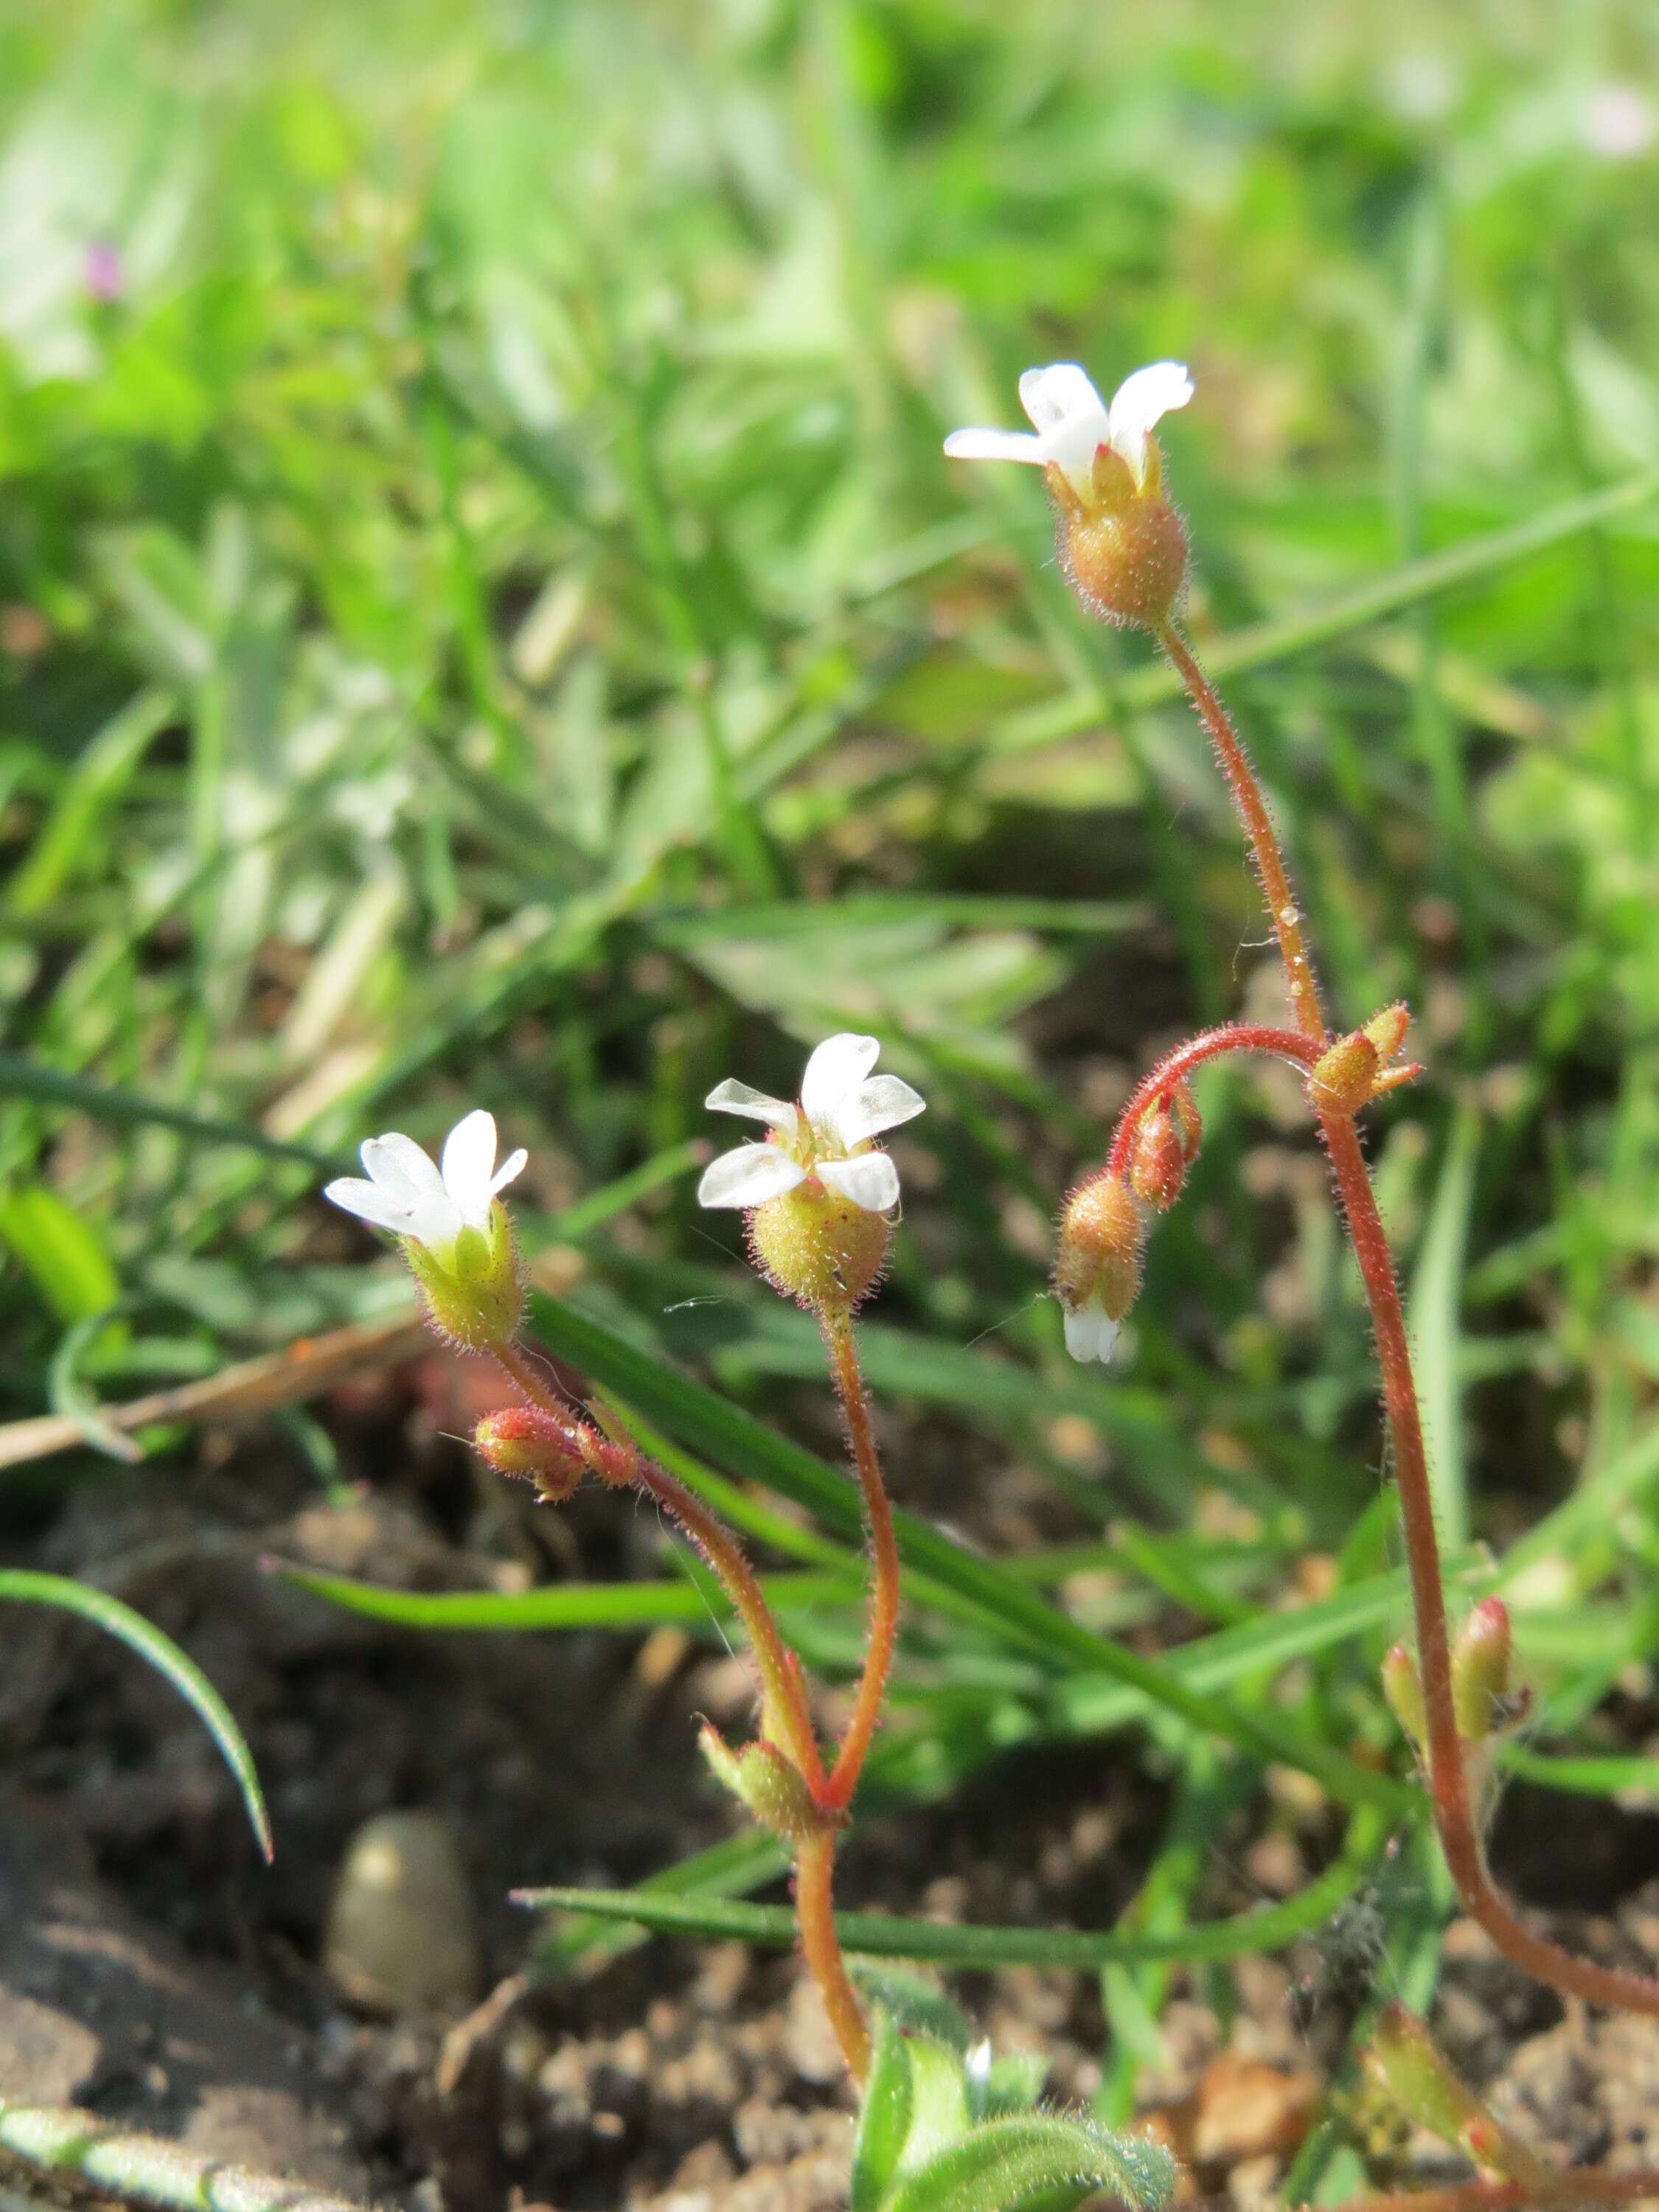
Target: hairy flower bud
1360, 1067
1402, 1685
1157, 1164
1482, 1659
552, 1450
770, 1785
1097, 1264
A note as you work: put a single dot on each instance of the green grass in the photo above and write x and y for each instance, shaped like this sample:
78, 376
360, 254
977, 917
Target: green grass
485, 619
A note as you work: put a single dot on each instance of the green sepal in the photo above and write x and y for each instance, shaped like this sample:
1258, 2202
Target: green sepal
472, 1290
772, 1788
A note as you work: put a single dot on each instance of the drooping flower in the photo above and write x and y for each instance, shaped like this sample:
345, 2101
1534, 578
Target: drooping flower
1097, 1264
827, 1136
1072, 423
455, 1236
1121, 543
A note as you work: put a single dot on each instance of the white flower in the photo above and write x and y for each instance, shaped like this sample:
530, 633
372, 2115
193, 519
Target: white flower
407, 1195
1091, 1332
842, 1106
1072, 422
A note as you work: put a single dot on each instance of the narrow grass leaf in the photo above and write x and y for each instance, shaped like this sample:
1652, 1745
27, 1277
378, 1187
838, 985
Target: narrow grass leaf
23, 1587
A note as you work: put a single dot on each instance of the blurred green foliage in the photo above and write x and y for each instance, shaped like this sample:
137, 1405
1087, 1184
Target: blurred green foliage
485, 619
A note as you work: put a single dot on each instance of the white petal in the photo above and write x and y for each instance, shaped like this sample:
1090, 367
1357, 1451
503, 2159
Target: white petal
469, 1161
401, 1168
509, 1170
1089, 1334
749, 1177
1142, 400
871, 1181
734, 1097
839, 1066
1062, 393
1072, 416
437, 1221
370, 1203
996, 445
881, 1103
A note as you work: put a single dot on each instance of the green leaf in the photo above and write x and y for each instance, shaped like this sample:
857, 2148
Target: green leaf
24, 1587
1005, 2163
60, 1251
938, 2104
885, 2118
917, 2002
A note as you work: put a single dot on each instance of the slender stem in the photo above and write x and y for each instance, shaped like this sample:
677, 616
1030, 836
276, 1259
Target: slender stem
815, 1862
785, 1715
883, 1548
1234, 764
1208, 1044
1448, 1786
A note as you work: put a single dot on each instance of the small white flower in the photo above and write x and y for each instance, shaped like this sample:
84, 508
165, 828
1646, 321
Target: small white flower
407, 1195
1071, 421
842, 1106
1091, 1332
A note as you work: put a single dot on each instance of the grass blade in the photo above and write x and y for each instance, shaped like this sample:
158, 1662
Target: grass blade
877, 1935
23, 1587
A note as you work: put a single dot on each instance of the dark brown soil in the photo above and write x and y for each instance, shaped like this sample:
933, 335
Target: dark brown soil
152, 1969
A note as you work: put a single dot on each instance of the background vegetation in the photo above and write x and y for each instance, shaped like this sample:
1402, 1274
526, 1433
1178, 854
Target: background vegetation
485, 619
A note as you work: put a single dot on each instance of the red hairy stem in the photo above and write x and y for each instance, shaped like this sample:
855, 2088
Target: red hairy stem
1234, 764
784, 1712
1448, 1786
884, 1550
815, 1863
1208, 1044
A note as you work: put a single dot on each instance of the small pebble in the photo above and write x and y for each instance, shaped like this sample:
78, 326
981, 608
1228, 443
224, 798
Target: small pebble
403, 1934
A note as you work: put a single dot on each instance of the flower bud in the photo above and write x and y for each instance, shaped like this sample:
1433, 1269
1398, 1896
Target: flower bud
1184, 1114
1157, 1164
1097, 1264
1124, 549
1344, 1076
1481, 1662
770, 1785
1099, 1253
472, 1288
814, 1245
1361, 1066
552, 1450
1387, 1031
1402, 1685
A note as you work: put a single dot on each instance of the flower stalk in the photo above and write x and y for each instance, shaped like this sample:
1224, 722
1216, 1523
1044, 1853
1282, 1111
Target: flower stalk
1444, 1749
